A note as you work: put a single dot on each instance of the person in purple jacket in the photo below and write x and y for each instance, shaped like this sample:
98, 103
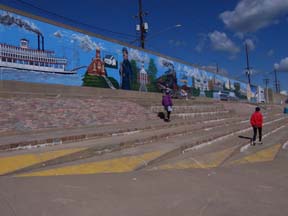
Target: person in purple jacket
167, 103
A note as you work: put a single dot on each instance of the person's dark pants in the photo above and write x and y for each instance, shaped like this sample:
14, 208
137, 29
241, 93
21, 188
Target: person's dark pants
255, 133
168, 115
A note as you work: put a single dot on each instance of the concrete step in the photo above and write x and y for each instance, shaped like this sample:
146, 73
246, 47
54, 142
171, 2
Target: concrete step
176, 141
190, 108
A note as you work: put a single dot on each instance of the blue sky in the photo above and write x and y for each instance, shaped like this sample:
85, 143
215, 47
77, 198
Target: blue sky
212, 31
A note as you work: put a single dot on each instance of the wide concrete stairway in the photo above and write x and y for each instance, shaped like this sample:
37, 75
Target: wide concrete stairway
195, 123
187, 114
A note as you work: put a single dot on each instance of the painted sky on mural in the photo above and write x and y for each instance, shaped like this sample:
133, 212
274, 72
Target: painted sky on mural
212, 32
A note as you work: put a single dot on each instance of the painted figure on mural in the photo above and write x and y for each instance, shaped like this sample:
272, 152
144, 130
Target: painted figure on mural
143, 79
125, 71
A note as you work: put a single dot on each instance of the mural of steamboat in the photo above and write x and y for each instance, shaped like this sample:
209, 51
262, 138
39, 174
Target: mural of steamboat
25, 58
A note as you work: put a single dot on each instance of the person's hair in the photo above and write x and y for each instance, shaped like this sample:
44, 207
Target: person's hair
124, 50
257, 109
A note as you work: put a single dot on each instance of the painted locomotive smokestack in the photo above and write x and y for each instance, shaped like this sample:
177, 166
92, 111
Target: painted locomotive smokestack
38, 36
42, 42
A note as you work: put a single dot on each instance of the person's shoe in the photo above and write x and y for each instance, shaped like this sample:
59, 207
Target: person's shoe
260, 143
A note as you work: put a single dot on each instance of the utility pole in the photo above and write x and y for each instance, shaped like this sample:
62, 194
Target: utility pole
277, 86
266, 81
142, 26
248, 72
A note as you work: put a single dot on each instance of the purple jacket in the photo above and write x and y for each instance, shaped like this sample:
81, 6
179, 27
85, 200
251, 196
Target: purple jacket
166, 100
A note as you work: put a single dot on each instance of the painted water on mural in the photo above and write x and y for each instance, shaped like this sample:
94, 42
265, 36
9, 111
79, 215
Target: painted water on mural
40, 77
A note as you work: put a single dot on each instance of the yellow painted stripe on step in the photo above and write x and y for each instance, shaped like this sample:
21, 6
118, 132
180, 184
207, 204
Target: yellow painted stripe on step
202, 161
13, 163
117, 165
267, 154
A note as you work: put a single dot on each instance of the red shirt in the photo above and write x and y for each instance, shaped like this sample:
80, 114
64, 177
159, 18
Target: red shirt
256, 119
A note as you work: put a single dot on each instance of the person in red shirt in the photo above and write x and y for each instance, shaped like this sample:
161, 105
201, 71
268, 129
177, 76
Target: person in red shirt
256, 122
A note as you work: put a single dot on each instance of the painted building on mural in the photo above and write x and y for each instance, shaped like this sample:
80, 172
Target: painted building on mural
87, 60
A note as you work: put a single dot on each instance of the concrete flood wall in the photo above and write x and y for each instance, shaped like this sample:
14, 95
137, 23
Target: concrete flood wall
95, 61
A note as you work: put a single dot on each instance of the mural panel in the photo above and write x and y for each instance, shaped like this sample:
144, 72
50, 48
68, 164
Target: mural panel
34, 51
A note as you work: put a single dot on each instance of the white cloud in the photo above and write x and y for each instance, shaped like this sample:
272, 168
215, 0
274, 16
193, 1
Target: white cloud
201, 42
251, 15
270, 52
282, 66
85, 42
58, 34
250, 44
221, 42
239, 35
138, 56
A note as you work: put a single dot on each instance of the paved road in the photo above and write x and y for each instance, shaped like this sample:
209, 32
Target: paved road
253, 189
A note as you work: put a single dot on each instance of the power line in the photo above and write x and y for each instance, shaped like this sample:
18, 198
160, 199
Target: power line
72, 20
157, 33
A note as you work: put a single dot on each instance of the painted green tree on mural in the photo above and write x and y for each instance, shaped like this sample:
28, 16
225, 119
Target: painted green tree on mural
237, 89
134, 82
195, 91
152, 73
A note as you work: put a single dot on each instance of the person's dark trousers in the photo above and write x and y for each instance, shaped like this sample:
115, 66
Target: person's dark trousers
255, 133
168, 115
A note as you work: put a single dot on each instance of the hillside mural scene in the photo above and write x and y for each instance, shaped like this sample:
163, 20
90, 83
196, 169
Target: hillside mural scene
35, 51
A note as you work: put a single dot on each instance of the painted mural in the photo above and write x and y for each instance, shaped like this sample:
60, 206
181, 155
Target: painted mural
34, 51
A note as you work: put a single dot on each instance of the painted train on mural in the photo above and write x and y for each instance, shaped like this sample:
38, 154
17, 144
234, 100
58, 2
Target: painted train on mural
71, 58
